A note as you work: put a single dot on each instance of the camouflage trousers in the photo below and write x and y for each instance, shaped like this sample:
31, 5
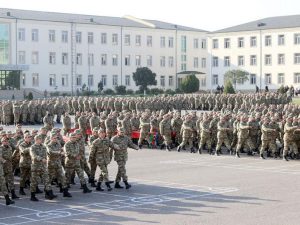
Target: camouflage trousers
121, 171
289, 144
244, 142
31, 117
7, 119
93, 165
2, 184
85, 167
167, 139
187, 141
271, 144
222, 140
24, 117
8, 174
143, 136
25, 173
17, 117
74, 166
103, 177
205, 139
178, 137
36, 174
56, 171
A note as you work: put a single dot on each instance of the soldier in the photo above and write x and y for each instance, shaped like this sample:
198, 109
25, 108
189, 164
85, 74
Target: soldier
59, 110
205, 134
222, 135
289, 137
109, 124
126, 124
82, 122
176, 124
121, 156
144, 128
92, 160
16, 112
48, 121
66, 123
267, 137
94, 121
186, 132
38, 153
72, 162
31, 112
165, 129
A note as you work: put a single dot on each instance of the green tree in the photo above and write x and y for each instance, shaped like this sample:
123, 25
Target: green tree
120, 90
30, 96
100, 87
236, 76
228, 89
190, 84
144, 77
83, 88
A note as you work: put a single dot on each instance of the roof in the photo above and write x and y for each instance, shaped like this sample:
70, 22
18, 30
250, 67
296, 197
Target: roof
265, 24
88, 19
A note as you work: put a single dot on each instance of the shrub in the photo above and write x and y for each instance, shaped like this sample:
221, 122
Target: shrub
108, 92
228, 89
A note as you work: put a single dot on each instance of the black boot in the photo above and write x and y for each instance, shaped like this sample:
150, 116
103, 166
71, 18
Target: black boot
61, 190
22, 192
162, 146
27, 183
168, 148
85, 189
285, 158
140, 146
99, 188
217, 152
127, 185
8, 200
108, 186
237, 155
92, 182
17, 172
73, 180
118, 186
262, 156
38, 191
178, 149
13, 194
33, 198
49, 195
66, 193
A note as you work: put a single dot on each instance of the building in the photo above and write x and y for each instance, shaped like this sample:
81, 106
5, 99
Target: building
267, 49
62, 52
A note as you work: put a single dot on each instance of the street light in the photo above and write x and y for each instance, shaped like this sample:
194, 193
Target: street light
259, 25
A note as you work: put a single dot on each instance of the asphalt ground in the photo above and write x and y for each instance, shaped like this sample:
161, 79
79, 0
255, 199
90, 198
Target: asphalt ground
176, 188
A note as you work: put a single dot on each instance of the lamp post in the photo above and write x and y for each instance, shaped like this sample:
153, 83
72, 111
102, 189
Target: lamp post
259, 25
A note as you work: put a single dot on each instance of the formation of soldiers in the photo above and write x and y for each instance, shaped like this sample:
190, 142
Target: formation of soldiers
251, 123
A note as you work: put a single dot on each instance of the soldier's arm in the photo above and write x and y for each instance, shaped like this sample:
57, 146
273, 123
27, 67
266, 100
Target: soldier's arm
92, 152
23, 149
34, 155
51, 151
131, 145
69, 152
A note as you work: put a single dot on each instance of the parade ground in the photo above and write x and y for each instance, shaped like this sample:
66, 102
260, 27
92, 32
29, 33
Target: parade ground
176, 188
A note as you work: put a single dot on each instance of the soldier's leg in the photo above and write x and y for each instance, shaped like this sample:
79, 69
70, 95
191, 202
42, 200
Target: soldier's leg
239, 145
68, 173
264, 144
45, 178
24, 175
3, 186
121, 171
9, 177
61, 177
85, 167
273, 147
104, 173
34, 181
93, 168
80, 174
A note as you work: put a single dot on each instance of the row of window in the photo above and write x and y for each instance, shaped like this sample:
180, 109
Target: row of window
164, 42
90, 82
253, 60
253, 41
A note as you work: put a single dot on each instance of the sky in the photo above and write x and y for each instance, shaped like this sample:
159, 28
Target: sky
208, 15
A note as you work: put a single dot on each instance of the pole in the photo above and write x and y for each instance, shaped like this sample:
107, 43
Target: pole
260, 50
176, 76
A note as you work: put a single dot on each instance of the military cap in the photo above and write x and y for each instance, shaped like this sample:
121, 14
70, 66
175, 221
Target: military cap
53, 133
3, 132
95, 129
72, 135
27, 135
9, 132
34, 131
101, 130
38, 137
43, 128
4, 139
77, 131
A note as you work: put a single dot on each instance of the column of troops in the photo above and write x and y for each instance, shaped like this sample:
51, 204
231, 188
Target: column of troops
250, 123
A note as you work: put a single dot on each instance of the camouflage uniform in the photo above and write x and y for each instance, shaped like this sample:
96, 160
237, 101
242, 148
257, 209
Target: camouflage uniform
25, 162
7, 166
165, 130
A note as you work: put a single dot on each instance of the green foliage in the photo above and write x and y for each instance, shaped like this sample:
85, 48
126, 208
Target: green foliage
236, 76
156, 91
228, 89
120, 90
281, 90
129, 92
190, 84
55, 94
83, 88
100, 86
30, 96
144, 77
108, 92
170, 92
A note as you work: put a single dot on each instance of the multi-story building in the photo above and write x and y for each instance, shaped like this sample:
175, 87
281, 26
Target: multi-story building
267, 49
63, 52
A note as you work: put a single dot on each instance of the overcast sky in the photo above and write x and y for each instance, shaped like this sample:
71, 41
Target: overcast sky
203, 14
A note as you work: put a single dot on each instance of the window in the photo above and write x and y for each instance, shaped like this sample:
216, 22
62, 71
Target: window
296, 39
65, 58
162, 81
149, 41
171, 61
138, 40
203, 43
149, 60
138, 60
104, 80
52, 58
268, 78
215, 43
35, 35
203, 81
127, 39
253, 60
78, 37
127, 60
281, 78
241, 60
21, 34
90, 80
90, 38
196, 62
171, 81
35, 57
215, 61
281, 39
115, 60
115, 80
241, 42
52, 80
252, 78
226, 43
268, 40
281, 59
162, 42
297, 58
79, 80
171, 42
183, 58
215, 79
51, 35
253, 41
183, 66
79, 59
64, 80
103, 38
23, 79
64, 36
203, 62
127, 80
183, 43
35, 80
103, 59
91, 59
226, 61
21, 57
115, 39
297, 78
162, 61
196, 43
268, 60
